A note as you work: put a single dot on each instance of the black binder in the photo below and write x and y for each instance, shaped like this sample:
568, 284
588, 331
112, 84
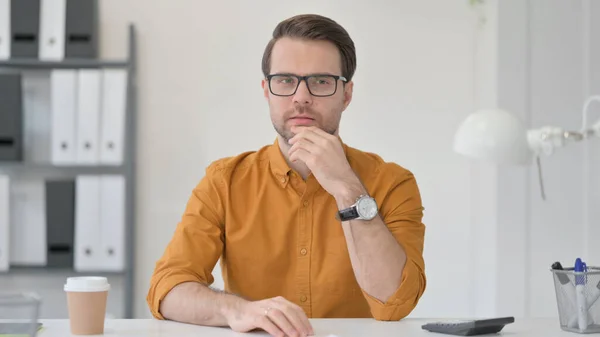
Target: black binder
81, 40
60, 222
24, 28
11, 117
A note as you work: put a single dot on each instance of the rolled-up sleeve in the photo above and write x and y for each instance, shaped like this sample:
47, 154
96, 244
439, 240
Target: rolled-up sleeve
197, 243
402, 212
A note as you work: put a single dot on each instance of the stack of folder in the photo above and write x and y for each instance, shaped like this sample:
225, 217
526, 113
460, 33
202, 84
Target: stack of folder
48, 29
64, 117
63, 223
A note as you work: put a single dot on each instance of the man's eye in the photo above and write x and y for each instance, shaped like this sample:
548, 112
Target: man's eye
322, 80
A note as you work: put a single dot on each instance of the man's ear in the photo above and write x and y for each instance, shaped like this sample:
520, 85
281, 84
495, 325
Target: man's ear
348, 87
265, 87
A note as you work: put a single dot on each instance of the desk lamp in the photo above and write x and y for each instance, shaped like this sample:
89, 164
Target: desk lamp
497, 136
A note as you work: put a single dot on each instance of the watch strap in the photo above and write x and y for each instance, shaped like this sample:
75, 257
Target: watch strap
349, 213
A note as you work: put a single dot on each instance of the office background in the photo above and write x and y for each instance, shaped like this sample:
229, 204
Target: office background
423, 66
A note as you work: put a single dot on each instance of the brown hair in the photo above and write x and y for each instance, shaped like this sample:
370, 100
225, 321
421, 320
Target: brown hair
314, 27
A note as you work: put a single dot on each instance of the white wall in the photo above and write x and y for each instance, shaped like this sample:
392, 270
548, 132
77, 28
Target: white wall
422, 67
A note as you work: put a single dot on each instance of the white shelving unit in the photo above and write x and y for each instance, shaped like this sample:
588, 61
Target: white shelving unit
48, 282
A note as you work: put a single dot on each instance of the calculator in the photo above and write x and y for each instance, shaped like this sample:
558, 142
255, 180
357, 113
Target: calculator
469, 327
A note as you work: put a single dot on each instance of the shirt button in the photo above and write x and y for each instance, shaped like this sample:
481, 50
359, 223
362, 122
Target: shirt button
303, 251
303, 298
305, 203
283, 179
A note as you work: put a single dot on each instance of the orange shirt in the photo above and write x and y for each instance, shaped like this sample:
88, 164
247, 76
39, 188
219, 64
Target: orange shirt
277, 235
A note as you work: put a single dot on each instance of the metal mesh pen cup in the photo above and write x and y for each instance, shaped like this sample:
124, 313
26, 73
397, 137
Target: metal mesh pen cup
19, 314
578, 299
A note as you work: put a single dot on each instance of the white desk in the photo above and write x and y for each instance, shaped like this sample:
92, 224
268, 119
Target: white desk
323, 328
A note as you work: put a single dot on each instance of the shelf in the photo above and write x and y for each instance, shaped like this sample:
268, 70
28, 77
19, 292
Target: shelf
21, 270
48, 166
63, 64
44, 169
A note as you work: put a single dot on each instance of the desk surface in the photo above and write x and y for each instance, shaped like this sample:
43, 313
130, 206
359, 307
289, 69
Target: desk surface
323, 328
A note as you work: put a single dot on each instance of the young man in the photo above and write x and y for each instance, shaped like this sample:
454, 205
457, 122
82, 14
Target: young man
305, 227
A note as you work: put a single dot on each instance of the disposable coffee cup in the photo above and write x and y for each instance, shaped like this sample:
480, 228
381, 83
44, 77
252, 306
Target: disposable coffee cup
86, 300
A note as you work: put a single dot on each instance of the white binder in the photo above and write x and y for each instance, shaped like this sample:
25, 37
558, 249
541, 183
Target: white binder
114, 93
28, 222
4, 220
87, 223
64, 107
112, 222
36, 115
88, 116
4, 29
52, 29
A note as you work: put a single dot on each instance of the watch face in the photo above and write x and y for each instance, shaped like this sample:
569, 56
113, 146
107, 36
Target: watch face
367, 208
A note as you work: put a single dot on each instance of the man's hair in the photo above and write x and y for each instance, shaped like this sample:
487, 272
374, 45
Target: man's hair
314, 27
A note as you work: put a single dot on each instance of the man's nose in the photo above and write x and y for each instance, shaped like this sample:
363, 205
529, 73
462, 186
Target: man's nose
302, 95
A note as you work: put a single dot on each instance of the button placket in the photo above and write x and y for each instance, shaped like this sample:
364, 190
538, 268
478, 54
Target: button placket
304, 241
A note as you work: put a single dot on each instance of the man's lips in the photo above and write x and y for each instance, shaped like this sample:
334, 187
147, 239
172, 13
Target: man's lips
302, 120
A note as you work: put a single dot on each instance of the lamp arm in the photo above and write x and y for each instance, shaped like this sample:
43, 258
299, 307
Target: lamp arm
586, 112
596, 129
546, 139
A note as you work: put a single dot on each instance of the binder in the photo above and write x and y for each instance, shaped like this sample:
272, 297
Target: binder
60, 220
63, 86
87, 223
28, 222
52, 29
36, 116
88, 116
81, 29
11, 117
24, 27
4, 221
4, 29
112, 222
112, 134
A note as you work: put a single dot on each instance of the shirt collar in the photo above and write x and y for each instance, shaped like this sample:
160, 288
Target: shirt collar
279, 166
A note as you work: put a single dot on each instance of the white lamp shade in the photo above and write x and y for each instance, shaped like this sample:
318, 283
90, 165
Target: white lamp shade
493, 135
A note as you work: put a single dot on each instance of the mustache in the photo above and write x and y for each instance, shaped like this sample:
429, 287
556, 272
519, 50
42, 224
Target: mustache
301, 111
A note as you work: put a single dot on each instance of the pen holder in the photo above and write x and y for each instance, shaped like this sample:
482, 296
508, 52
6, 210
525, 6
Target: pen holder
578, 299
19, 314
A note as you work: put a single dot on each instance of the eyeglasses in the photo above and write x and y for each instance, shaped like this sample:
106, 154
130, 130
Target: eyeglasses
318, 85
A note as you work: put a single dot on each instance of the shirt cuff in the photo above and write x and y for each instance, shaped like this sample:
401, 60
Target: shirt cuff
163, 287
404, 300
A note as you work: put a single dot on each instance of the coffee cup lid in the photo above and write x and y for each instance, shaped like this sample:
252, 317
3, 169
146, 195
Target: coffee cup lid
87, 284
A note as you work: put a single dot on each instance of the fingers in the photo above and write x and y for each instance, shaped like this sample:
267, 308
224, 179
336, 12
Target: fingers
312, 133
300, 321
265, 323
283, 322
296, 316
302, 155
306, 145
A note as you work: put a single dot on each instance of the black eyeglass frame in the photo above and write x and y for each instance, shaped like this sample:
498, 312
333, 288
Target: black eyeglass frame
305, 79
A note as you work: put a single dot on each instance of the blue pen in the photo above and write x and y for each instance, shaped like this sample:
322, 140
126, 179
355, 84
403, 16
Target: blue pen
580, 293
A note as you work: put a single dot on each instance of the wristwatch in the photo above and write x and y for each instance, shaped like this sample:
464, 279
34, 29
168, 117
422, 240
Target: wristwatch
365, 208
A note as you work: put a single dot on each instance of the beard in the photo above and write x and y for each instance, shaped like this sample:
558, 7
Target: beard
287, 134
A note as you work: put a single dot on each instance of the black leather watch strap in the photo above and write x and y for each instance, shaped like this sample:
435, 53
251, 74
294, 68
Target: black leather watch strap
347, 214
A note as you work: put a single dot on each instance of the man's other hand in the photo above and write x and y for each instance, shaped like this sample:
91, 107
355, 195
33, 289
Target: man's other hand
277, 316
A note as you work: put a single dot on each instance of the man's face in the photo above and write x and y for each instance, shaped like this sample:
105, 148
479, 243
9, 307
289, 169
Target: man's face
306, 57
